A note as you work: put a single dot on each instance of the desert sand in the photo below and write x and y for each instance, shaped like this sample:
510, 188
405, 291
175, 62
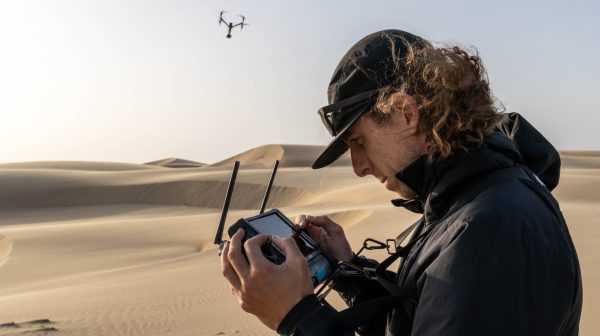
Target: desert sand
97, 248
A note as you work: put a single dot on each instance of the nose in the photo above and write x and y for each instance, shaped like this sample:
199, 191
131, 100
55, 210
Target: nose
360, 164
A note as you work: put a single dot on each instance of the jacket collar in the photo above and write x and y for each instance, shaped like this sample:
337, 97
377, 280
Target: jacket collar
438, 183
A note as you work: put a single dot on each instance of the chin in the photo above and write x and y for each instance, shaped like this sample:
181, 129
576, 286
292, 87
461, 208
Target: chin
404, 196
403, 191
393, 188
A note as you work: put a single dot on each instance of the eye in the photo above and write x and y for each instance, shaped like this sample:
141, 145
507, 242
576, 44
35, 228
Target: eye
357, 141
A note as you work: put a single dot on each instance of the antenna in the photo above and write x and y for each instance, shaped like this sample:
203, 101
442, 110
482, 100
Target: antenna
219, 235
268, 191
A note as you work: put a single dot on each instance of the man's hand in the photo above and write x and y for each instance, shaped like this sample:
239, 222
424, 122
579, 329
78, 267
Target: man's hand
262, 288
329, 235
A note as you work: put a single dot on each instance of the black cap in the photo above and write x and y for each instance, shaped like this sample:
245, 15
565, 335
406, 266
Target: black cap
370, 65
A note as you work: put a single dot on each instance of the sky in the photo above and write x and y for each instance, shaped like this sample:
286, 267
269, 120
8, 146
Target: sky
142, 80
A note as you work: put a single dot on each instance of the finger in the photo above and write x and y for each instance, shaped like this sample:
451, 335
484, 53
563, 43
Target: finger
326, 223
314, 231
288, 246
227, 270
254, 252
235, 256
302, 222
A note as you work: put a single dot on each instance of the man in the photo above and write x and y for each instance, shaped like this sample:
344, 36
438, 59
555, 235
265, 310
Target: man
491, 254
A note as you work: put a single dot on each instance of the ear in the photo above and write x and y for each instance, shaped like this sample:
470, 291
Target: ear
407, 106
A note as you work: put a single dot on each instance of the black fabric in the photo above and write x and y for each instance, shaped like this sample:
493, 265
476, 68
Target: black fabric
520, 143
308, 312
372, 63
347, 320
538, 154
357, 315
502, 264
414, 205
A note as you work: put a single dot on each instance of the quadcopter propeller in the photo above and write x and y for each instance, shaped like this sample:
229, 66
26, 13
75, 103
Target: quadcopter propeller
242, 24
221, 17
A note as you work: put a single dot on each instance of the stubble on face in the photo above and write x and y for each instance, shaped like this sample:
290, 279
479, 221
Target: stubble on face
400, 188
388, 150
400, 145
385, 150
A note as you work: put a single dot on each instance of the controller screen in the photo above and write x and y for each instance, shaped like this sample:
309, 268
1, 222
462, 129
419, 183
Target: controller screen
275, 226
271, 225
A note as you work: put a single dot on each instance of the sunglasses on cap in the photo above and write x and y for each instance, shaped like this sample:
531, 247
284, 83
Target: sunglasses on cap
331, 114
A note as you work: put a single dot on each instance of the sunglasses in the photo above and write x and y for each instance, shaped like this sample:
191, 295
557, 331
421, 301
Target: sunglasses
331, 114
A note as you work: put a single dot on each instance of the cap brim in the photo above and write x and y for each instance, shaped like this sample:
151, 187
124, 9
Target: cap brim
336, 148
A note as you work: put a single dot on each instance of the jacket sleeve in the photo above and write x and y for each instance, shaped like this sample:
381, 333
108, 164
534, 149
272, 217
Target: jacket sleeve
309, 313
305, 315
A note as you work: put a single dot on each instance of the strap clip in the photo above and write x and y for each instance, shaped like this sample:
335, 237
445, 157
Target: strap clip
370, 273
372, 244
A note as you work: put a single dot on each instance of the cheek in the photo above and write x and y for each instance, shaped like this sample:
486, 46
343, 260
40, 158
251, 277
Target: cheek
392, 161
378, 151
386, 155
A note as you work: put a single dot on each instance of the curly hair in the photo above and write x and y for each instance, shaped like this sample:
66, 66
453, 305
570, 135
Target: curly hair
452, 92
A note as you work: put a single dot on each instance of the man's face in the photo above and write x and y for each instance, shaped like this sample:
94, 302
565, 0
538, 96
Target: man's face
384, 150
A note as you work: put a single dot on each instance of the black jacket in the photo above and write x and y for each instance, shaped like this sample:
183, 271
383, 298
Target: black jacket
503, 264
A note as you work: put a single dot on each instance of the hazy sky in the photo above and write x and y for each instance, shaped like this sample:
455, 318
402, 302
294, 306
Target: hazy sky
136, 81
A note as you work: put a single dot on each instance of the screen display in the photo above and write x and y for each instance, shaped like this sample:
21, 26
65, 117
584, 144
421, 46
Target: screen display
271, 225
276, 226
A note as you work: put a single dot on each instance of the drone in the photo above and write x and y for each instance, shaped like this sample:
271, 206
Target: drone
230, 25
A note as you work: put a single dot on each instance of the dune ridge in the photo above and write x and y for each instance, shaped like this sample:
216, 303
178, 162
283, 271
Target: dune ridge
176, 163
288, 155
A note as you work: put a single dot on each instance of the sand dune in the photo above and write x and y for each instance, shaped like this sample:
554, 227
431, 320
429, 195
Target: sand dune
96, 248
583, 160
51, 188
572, 153
580, 177
176, 163
288, 155
5, 249
575, 187
208, 194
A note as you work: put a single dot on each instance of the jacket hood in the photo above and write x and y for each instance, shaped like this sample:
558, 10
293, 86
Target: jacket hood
515, 142
537, 153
